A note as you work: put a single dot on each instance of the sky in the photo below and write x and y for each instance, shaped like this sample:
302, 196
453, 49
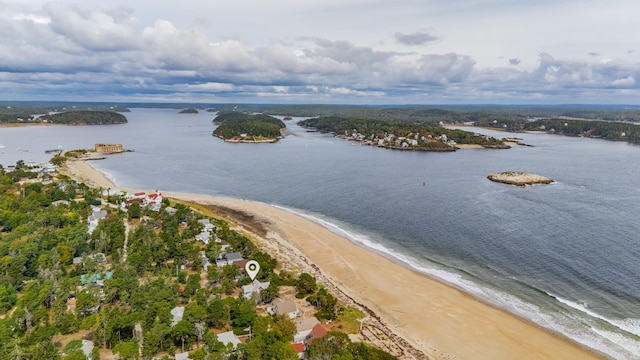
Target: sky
322, 51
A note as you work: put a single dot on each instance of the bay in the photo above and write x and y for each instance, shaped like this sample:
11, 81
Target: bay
563, 255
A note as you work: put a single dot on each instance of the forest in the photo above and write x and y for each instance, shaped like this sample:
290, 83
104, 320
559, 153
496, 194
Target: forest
118, 285
85, 117
238, 125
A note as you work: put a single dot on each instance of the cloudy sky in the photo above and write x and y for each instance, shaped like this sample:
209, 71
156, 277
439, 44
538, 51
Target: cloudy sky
322, 51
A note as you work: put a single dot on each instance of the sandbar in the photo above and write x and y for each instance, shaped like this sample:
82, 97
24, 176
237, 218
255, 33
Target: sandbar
409, 314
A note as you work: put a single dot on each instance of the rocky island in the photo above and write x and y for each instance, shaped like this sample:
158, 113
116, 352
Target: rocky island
245, 128
518, 178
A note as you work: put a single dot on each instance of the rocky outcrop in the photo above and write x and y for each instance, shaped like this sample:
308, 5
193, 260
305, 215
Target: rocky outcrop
518, 178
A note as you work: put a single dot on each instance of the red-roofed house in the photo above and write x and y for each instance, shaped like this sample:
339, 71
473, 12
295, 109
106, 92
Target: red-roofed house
318, 332
154, 200
299, 349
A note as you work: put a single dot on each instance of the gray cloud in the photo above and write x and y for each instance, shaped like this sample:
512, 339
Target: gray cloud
514, 61
417, 38
593, 54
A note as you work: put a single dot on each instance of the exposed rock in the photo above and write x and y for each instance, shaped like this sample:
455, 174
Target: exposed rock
518, 178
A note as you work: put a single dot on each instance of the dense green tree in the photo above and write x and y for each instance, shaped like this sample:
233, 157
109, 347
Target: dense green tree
305, 285
134, 210
219, 313
127, 350
243, 312
183, 332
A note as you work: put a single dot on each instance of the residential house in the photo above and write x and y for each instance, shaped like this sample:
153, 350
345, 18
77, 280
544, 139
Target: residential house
284, 307
154, 200
303, 328
87, 348
177, 313
96, 278
205, 260
170, 210
98, 257
229, 338
206, 224
299, 348
318, 332
204, 236
97, 214
228, 259
253, 289
182, 356
77, 261
60, 202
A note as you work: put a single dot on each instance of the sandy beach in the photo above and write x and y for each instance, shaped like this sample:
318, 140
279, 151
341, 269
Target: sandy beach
409, 314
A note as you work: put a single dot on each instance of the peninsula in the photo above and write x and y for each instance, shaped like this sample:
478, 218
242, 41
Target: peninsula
436, 322
518, 178
244, 128
400, 135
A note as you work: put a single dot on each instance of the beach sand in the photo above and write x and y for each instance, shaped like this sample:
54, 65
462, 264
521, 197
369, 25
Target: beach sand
409, 314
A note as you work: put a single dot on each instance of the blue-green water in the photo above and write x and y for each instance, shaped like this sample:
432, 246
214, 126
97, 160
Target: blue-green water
564, 255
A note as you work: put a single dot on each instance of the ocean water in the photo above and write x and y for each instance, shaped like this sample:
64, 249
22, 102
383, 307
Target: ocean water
563, 255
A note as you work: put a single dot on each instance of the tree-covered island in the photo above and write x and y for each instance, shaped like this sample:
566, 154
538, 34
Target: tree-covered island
400, 135
245, 128
84, 118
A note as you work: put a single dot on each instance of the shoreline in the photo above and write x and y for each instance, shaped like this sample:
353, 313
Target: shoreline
406, 309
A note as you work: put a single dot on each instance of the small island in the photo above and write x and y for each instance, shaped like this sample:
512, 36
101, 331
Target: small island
518, 178
189, 111
244, 128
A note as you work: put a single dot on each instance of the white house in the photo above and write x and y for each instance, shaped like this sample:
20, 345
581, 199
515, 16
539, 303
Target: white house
304, 327
97, 214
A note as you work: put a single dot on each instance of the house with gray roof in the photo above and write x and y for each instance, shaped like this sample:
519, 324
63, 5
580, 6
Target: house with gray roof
177, 313
284, 307
229, 338
253, 289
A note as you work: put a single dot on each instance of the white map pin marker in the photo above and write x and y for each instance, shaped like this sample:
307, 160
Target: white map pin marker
252, 268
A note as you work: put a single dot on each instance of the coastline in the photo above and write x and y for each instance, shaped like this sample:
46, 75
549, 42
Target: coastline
439, 321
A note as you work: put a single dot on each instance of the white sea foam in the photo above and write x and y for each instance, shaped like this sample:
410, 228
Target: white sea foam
610, 343
631, 345
629, 325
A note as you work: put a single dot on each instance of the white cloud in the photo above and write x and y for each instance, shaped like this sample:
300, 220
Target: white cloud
629, 81
243, 49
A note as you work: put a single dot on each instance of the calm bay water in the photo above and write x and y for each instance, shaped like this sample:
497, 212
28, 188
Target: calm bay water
563, 255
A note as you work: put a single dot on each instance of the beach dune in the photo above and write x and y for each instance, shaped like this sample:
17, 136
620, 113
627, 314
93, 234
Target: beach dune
410, 314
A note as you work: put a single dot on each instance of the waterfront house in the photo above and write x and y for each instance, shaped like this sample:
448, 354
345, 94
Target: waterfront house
304, 327
284, 307
318, 332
